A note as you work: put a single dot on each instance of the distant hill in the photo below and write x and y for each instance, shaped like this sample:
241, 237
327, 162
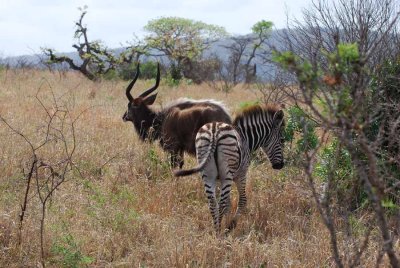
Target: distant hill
264, 70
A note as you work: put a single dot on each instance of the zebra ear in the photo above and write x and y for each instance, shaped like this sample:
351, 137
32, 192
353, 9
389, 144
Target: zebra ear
278, 118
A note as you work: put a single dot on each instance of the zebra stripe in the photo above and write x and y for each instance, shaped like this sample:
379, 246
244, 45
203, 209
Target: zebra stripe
223, 152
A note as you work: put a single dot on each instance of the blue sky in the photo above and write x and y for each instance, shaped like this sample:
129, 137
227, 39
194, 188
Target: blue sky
27, 25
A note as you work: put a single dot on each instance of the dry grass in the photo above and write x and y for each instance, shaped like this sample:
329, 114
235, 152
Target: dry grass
133, 212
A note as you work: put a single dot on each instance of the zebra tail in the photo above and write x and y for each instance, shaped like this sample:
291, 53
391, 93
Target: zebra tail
200, 167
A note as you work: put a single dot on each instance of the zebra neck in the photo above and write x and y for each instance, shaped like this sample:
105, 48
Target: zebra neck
249, 138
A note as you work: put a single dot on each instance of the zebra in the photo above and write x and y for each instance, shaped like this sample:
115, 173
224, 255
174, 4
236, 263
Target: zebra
224, 152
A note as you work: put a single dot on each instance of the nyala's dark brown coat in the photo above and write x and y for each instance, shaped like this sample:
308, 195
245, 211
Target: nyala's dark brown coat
184, 119
176, 125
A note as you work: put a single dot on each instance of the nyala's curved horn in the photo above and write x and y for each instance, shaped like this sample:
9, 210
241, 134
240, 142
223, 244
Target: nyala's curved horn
150, 90
128, 89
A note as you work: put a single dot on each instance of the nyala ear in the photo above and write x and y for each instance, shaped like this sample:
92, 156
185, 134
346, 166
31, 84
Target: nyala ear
150, 99
278, 118
137, 101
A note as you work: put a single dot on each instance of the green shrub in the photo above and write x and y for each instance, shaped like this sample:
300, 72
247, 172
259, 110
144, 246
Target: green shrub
301, 129
332, 161
175, 72
148, 70
127, 71
68, 253
335, 164
111, 75
171, 82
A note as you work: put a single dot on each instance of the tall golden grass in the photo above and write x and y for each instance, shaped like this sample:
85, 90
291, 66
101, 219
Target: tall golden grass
125, 209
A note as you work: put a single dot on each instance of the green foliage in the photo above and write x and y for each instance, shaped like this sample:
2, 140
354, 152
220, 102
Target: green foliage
148, 70
295, 115
262, 27
332, 83
337, 163
285, 59
68, 253
308, 141
153, 157
127, 71
348, 52
390, 206
388, 80
301, 128
157, 164
102, 206
171, 82
182, 40
305, 72
246, 104
175, 32
175, 72
111, 75
341, 62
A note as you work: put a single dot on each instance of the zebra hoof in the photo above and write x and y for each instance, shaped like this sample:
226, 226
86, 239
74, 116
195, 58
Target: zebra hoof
231, 226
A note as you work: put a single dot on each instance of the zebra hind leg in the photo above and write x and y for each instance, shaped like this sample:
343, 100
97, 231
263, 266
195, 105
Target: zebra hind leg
225, 200
241, 208
209, 178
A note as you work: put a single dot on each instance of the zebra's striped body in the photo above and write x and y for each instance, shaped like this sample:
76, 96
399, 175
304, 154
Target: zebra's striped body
223, 152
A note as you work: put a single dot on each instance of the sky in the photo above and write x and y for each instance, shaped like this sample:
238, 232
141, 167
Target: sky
28, 25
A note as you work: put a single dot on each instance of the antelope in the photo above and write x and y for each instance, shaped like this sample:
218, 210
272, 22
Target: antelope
176, 125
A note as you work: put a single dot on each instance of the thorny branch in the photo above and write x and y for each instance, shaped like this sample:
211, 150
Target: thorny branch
371, 25
48, 172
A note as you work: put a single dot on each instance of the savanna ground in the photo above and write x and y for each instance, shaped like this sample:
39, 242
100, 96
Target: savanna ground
124, 208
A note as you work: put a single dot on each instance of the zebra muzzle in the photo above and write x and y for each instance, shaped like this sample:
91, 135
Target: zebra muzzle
278, 165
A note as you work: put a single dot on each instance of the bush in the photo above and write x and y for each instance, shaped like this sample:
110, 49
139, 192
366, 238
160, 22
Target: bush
175, 72
334, 164
68, 253
300, 128
148, 70
127, 71
111, 75
171, 82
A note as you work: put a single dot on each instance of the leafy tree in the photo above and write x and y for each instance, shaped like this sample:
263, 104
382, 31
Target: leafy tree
182, 40
244, 48
262, 31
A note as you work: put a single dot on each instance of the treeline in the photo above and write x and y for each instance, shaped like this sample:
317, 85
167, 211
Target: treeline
179, 44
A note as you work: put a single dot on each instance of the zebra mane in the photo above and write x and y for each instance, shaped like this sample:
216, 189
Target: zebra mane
269, 108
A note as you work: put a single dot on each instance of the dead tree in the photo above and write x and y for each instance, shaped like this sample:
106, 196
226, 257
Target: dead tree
96, 59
